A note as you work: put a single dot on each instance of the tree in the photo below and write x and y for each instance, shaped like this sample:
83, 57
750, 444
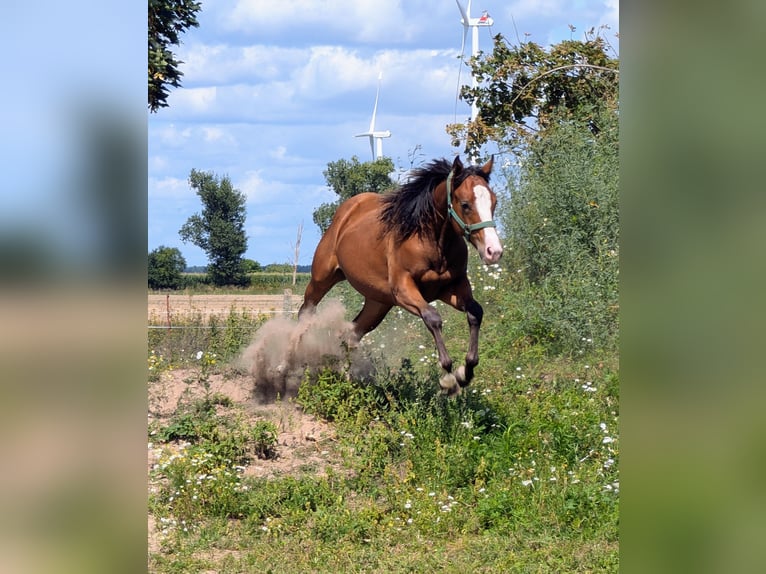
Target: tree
165, 267
220, 229
167, 20
556, 109
348, 178
523, 90
250, 265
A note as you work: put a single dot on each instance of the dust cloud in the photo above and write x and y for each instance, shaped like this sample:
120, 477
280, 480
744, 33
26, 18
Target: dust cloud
284, 349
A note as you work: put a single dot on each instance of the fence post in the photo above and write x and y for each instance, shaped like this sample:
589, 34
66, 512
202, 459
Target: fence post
167, 307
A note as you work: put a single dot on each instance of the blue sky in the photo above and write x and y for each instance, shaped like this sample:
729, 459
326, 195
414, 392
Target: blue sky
275, 91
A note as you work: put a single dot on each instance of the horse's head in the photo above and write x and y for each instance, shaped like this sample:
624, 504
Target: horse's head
471, 206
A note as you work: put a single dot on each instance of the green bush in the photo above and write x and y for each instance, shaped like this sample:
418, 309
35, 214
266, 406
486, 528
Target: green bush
165, 267
562, 226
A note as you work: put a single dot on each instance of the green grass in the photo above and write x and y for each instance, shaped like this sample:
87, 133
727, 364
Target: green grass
261, 283
519, 473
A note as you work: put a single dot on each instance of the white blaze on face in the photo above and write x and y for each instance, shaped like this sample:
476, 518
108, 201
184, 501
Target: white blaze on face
489, 248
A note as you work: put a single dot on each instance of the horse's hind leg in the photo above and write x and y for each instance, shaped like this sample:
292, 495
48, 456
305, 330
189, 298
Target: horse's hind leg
318, 287
372, 313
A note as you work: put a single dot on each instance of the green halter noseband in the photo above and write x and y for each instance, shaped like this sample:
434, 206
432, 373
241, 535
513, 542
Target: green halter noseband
467, 229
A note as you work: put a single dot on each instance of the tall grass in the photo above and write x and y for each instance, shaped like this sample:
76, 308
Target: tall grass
194, 334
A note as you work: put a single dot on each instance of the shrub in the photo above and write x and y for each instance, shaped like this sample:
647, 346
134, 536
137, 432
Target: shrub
562, 224
165, 267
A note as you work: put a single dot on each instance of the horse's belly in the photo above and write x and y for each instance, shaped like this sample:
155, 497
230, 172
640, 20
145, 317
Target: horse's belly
433, 284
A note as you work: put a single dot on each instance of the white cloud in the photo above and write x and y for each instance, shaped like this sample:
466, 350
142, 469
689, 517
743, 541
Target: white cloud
216, 134
157, 163
193, 99
221, 63
259, 190
168, 188
170, 135
529, 9
279, 153
359, 20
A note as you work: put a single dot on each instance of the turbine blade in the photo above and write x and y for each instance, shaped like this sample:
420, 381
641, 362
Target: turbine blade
372, 147
375, 108
463, 13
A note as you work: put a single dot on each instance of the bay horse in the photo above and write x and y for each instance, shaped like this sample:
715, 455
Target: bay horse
407, 248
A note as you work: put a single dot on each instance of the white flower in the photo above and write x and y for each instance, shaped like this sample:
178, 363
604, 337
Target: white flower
199, 355
526, 482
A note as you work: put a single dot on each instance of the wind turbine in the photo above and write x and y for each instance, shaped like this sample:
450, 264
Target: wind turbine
473, 23
376, 138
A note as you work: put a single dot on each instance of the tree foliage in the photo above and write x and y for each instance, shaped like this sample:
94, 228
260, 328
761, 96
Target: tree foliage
350, 177
167, 20
250, 265
556, 110
165, 267
219, 229
562, 229
523, 90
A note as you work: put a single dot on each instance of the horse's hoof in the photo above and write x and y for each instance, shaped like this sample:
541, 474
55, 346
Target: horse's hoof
449, 384
460, 376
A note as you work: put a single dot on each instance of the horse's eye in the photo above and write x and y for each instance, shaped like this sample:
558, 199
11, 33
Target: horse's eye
465, 206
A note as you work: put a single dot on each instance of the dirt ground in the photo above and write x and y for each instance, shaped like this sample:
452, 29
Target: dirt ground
177, 306
272, 365
304, 442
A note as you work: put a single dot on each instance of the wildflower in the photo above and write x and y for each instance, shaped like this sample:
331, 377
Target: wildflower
408, 504
526, 482
199, 355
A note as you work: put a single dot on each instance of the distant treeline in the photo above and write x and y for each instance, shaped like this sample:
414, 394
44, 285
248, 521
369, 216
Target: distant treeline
270, 268
263, 282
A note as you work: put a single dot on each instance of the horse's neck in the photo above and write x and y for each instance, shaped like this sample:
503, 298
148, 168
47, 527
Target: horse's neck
444, 231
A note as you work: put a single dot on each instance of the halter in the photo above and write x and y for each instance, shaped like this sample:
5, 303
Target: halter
467, 229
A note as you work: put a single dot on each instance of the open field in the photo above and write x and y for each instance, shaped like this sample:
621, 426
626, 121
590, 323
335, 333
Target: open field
182, 305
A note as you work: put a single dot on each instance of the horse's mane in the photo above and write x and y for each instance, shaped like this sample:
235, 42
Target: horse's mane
410, 209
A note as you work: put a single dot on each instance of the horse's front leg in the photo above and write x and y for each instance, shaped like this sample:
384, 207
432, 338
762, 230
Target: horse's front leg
409, 297
461, 298
474, 313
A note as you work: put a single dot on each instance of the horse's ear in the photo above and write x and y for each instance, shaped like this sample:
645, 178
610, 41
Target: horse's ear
457, 165
487, 167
